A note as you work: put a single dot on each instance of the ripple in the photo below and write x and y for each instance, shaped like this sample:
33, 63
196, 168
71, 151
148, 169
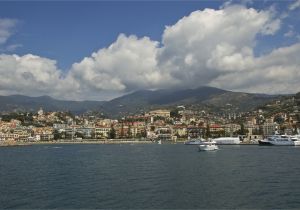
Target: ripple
148, 176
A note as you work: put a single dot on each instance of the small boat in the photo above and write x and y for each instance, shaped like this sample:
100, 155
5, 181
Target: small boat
209, 146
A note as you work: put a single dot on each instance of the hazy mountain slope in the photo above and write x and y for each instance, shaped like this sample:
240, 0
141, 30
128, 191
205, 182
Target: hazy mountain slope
242, 101
145, 100
26, 103
141, 101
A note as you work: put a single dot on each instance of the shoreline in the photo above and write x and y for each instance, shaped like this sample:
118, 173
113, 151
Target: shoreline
72, 142
107, 141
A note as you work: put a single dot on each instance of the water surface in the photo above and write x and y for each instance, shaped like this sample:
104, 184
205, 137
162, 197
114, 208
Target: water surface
149, 176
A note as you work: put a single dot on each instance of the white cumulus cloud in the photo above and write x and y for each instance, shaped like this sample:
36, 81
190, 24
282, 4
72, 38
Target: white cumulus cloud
128, 64
208, 43
29, 75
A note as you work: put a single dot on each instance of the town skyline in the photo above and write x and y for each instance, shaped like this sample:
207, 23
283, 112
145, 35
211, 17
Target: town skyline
106, 51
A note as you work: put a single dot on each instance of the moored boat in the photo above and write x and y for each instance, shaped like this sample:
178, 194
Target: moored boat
264, 142
278, 140
296, 140
297, 143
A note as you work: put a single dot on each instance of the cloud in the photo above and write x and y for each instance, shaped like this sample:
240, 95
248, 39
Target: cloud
6, 29
290, 33
29, 75
209, 43
207, 47
277, 72
127, 64
294, 5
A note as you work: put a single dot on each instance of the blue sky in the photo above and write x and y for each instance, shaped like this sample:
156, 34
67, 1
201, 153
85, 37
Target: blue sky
61, 34
68, 31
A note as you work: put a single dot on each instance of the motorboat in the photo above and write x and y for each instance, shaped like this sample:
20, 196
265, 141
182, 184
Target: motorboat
296, 140
278, 140
264, 142
208, 146
297, 143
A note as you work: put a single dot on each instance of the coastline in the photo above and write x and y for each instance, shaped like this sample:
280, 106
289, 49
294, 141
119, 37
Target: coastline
13, 144
87, 141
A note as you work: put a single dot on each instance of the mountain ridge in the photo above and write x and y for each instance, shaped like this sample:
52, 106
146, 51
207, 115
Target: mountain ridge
140, 101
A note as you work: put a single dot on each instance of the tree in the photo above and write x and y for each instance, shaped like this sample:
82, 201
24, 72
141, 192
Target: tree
129, 134
207, 131
112, 133
56, 135
122, 131
242, 129
278, 119
175, 114
79, 135
144, 133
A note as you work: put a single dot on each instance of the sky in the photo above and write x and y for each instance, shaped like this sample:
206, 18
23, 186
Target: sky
99, 50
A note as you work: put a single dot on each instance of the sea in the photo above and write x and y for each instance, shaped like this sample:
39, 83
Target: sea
149, 176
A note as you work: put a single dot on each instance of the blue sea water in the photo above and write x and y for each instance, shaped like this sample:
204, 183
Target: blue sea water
171, 176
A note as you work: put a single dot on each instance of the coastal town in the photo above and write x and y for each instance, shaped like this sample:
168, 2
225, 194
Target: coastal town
169, 125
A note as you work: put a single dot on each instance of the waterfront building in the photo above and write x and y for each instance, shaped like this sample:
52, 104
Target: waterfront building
164, 133
195, 131
180, 130
22, 135
86, 132
46, 137
102, 132
8, 136
231, 128
269, 128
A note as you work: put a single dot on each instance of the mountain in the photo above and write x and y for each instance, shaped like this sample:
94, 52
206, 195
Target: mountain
145, 100
142, 101
26, 103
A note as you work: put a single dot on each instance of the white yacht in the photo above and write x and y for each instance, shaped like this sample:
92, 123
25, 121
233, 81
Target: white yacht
208, 146
297, 143
227, 140
278, 140
296, 140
